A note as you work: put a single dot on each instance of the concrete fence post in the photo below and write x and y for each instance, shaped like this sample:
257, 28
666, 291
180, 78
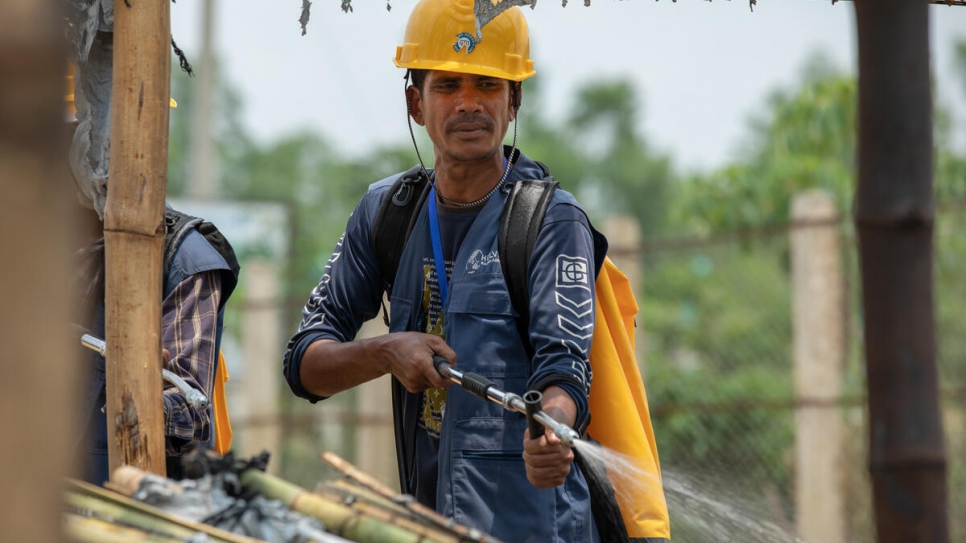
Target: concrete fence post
261, 343
818, 318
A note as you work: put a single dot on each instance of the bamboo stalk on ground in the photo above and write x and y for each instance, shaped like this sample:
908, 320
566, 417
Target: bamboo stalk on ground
338, 519
372, 506
82, 529
419, 510
122, 509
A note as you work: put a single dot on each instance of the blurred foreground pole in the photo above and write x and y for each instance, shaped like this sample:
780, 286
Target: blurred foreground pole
34, 186
894, 220
818, 319
134, 233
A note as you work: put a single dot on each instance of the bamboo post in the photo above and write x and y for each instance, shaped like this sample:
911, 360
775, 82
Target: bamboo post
134, 233
894, 219
34, 187
818, 318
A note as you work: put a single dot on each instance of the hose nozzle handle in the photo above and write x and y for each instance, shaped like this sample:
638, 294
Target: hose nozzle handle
533, 399
473, 383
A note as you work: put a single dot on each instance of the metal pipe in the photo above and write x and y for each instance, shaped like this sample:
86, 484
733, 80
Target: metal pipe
195, 397
484, 388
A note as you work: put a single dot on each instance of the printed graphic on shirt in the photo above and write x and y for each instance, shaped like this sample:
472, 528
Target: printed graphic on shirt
479, 260
572, 272
434, 399
311, 314
575, 312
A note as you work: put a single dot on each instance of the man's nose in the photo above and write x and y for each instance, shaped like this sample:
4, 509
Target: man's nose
468, 99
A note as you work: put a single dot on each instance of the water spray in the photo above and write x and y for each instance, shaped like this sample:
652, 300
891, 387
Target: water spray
528, 405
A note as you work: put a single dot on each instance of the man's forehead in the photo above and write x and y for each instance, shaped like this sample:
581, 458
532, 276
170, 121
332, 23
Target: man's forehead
441, 75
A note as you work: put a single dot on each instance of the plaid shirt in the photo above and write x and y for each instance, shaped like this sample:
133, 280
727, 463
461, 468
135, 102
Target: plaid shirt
189, 323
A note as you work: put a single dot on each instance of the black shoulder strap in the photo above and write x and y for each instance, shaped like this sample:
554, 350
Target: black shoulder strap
395, 221
519, 227
179, 224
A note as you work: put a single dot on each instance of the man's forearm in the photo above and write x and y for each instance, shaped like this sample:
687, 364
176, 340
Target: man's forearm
559, 405
329, 366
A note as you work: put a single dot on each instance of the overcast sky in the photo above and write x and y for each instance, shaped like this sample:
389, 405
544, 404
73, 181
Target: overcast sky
702, 68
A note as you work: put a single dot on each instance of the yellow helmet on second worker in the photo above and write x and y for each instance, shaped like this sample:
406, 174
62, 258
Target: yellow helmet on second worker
441, 35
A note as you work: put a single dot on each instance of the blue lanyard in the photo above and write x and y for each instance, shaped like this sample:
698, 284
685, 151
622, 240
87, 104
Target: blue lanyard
437, 248
441, 277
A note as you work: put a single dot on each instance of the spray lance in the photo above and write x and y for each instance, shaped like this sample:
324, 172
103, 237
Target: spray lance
529, 405
195, 397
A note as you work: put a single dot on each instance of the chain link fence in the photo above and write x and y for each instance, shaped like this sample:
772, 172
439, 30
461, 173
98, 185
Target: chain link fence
718, 324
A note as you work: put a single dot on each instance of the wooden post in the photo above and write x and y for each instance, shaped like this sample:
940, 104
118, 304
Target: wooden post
134, 233
262, 345
894, 219
38, 370
818, 307
624, 236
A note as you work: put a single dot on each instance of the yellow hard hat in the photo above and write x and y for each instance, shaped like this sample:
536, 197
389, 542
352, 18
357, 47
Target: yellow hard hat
441, 35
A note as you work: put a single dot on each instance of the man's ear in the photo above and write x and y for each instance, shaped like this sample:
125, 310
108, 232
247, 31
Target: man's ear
516, 98
415, 104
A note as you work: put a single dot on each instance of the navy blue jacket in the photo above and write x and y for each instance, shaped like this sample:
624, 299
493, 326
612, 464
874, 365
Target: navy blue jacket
480, 477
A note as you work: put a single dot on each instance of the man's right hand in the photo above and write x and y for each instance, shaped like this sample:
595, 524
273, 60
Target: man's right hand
329, 367
409, 358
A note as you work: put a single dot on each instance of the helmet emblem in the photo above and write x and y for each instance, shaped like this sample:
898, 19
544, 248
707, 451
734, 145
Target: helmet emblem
464, 39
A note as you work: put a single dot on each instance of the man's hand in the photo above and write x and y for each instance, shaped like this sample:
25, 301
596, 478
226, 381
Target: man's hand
409, 357
329, 367
547, 459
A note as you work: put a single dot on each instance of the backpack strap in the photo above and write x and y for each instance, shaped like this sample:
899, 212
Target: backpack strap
395, 220
519, 226
179, 224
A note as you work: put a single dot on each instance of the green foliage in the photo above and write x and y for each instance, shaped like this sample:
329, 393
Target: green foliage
806, 139
599, 155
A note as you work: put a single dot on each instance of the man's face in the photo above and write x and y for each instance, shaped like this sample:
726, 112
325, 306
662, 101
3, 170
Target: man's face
465, 115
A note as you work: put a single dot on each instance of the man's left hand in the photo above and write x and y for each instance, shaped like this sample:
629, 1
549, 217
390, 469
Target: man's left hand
547, 458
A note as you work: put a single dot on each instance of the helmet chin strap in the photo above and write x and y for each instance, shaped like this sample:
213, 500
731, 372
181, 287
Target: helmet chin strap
412, 135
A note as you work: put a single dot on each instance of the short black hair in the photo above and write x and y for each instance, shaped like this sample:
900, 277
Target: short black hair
418, 77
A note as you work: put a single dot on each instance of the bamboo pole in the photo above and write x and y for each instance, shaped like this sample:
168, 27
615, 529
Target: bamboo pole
336, 517
420, 511
121, 508
894, 219
34, 186
81, 529
134, 233
370, 505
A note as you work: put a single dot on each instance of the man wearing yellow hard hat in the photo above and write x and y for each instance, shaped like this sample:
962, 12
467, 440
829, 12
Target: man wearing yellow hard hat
469, 459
